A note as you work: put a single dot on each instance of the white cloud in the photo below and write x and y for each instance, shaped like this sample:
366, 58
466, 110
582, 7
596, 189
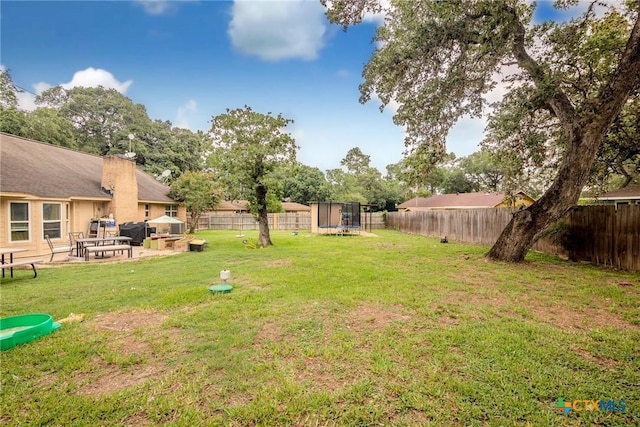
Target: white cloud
276, 30
378, 18
184, 114
159, 7
154, 7
26, 101
94, 77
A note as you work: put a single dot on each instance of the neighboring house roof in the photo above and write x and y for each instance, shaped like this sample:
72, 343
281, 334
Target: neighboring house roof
243, 205
236, 205
627, 193
45, 170
460, 200
295, 207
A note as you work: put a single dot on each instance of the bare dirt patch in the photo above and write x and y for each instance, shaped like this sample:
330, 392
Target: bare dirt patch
128, 321
605, 362
565, 317
138, 419
114, 380
375, 317
319, 374
125, 339
268, 332
278, 263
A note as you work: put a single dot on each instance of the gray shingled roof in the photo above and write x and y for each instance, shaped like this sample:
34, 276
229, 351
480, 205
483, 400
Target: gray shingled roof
45, 170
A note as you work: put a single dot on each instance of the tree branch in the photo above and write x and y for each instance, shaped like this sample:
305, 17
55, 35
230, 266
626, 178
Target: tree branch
625, 79
554, 96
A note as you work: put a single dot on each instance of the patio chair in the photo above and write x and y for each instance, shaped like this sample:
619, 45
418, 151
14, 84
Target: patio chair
73, 237
57, 249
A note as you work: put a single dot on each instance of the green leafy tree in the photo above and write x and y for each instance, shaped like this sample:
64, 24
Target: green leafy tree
482, 170
618, 164
198, 193
14, 121
46, 125
103, 121
248, 148
160, 146
356, 162
437, 59
304, 184
456, 181
8, 90
102, 118
357, 181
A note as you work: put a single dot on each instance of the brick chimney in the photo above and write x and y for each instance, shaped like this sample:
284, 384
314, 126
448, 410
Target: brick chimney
119, 179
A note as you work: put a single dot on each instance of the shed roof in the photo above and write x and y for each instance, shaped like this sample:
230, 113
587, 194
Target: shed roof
45, 170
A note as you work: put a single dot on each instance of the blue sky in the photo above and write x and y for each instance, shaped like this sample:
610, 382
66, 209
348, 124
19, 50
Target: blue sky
190, 60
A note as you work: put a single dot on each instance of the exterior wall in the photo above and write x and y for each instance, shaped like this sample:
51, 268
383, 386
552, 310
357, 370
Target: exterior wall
83, 211
520, 201
159, 209
75, 216
314, 217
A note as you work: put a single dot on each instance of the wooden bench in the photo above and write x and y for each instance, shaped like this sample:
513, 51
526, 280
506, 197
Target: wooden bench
21, 262
107, 248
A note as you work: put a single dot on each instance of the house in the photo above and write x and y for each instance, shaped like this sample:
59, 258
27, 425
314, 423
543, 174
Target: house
242, 206
235, 206
624, 196
51, 190
293, 207
478, 200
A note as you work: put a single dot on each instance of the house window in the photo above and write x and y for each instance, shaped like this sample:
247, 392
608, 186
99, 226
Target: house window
146, 211
52, 220
171, 210
19, 221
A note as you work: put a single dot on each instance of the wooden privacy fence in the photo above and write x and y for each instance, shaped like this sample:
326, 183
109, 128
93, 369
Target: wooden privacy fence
602, 235
277, 221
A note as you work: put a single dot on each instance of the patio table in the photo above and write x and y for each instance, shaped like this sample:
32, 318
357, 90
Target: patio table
10, 251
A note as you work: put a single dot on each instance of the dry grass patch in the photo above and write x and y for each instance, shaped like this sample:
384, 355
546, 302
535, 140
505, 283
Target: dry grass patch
122, 327
367, 317
605, 362
269, 332
587, 318
319, 374
113, 379
128, 321
279, 263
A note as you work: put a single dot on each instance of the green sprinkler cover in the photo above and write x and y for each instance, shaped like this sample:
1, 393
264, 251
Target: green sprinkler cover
220, 289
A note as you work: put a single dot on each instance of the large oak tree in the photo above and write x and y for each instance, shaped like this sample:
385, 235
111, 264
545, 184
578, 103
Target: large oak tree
438, 58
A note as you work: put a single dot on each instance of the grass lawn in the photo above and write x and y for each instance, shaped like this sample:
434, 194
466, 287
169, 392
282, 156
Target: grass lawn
325, 330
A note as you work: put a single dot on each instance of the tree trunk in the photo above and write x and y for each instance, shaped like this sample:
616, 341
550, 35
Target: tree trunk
264, 239
585, 133
528, 225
